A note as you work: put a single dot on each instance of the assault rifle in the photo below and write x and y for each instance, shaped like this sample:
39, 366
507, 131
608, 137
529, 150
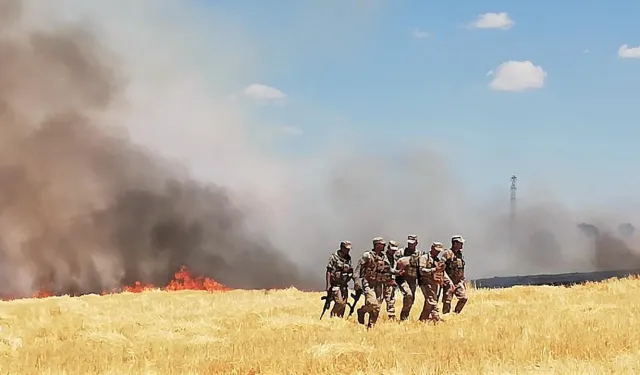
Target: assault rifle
327, 302
356, 296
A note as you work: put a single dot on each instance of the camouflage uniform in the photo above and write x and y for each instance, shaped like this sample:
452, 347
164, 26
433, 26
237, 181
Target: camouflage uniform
408, 276
437, 250
454, 267
430, 281
372, 275
392, 254
340, 272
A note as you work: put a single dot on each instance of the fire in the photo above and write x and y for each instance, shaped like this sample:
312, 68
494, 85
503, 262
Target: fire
182, 280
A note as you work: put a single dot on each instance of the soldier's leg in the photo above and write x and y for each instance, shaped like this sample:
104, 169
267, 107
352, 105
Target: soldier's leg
390, 300
375, 310
461, 295
339, 301
407, 299
370, 302
447, 296
430, 309
414, 286
426, 307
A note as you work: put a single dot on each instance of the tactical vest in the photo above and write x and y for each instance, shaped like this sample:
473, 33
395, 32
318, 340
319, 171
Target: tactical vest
438, 276
455, 268
342, 270
411, 270
377, 270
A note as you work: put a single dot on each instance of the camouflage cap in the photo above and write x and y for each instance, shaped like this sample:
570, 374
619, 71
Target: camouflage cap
393, 245
437, 245
457, 238
378, 240
345, 244
412, 238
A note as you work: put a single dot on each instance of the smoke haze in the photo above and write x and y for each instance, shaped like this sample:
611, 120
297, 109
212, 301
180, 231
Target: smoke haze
121, 160
83, 208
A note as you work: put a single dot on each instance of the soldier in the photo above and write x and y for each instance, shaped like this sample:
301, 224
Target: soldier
371, 278
432, 277
339, 273
408, 275
436, 250
392, 254
454, 267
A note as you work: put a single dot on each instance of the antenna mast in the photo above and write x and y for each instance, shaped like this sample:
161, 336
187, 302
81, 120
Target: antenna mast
512, 217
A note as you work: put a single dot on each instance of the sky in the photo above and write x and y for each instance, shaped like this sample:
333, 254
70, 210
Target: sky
504, 88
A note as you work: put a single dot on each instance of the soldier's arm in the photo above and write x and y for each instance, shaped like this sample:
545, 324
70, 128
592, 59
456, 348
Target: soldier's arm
426, 270
394, 265
400, 265
446, 257
330, 269
357, 277
447, 279
394, 271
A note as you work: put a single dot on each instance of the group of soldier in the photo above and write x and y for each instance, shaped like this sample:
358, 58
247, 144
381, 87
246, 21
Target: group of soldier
385, 268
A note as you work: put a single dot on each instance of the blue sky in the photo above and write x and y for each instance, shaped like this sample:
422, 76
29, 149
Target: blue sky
359, 65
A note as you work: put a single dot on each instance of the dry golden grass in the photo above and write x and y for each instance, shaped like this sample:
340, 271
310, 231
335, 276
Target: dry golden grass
590, 329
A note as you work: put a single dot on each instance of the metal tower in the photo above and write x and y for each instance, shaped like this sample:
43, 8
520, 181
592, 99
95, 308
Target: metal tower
512, 216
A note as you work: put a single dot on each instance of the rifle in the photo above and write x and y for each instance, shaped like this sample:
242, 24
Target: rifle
356, 296
327, 302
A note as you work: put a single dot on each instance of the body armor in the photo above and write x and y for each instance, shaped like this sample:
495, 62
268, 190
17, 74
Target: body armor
377, 270
342, 271
438, 276
455, 268
412, 268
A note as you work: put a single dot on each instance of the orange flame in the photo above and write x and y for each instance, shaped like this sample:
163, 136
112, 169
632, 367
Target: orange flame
182, 280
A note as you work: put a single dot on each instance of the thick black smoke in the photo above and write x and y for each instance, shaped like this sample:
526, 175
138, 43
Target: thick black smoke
83, 210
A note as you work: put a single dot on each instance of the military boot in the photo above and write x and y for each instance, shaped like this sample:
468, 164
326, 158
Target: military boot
404, 315
373, 318
361, 317
446, 307
459, 305
424, 315
435, 318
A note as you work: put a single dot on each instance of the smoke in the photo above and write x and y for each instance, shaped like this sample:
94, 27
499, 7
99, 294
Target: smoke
122, 157
369, 195
82, 207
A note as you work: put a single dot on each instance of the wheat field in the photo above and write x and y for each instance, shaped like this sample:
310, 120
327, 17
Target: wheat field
588, 329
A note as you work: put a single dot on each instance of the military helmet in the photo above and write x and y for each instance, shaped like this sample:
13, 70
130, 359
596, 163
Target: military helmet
392, 245
378, 240
457, 238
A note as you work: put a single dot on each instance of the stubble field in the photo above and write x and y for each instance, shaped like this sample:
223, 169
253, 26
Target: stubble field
589, 329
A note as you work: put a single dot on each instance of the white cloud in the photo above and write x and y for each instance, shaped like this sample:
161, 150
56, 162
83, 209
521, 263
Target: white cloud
263, 92
517, 76
419, 33
627, 52
289, 130
493, 21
